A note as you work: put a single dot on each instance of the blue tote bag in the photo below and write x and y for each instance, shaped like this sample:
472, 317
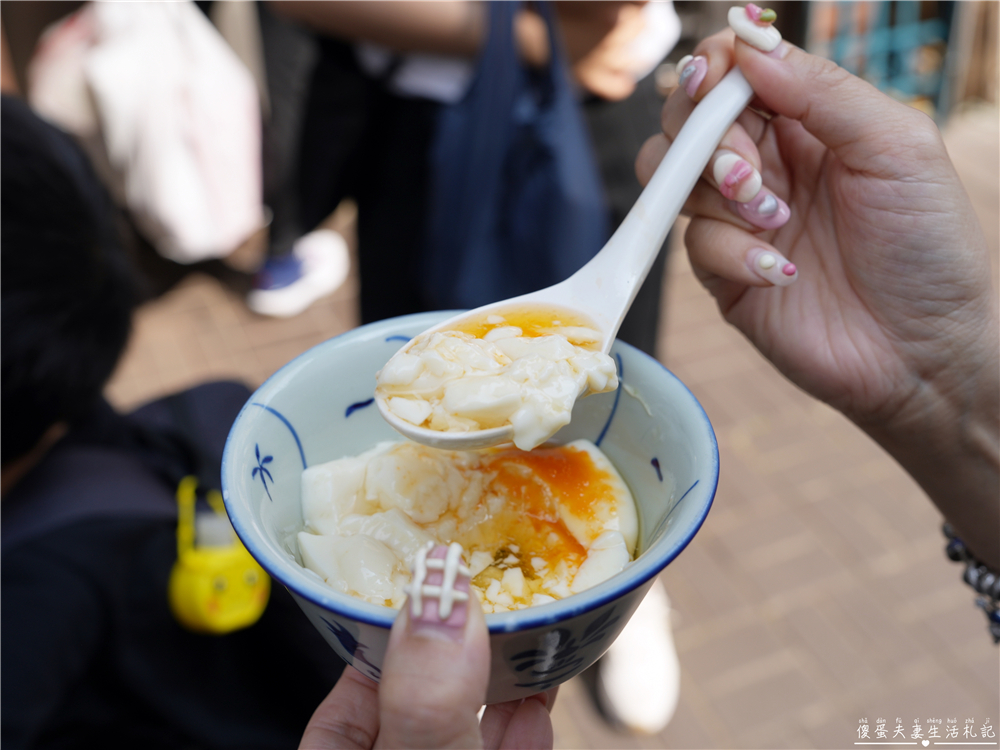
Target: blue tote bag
516, 202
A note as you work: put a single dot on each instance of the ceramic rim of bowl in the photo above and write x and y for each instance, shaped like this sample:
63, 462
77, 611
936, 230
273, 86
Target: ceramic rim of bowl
297, 579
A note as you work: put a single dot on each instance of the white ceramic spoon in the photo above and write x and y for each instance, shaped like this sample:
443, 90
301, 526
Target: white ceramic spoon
603, 290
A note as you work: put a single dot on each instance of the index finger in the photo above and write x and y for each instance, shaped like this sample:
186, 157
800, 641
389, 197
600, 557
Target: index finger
867, 130
717, 51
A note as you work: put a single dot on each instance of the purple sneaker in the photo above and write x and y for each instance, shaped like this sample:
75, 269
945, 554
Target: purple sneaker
317, 265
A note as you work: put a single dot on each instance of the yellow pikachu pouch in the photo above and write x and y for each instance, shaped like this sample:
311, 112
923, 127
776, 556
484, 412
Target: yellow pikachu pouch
215, 586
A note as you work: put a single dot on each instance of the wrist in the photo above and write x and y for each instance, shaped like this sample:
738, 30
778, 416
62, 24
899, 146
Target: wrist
946, 435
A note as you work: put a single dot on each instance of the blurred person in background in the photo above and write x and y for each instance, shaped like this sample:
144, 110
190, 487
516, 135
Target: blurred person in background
299, 267
200, 147
382, 73
385, 74
93, 655
169, 114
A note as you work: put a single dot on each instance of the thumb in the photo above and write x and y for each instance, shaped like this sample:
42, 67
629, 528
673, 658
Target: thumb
867, 130
435, 672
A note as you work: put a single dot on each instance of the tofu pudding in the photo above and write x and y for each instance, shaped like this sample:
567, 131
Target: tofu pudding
535, 526
525, 368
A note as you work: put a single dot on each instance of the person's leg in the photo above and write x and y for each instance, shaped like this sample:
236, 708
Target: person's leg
290, 55
392, 207
337, 116
301, 268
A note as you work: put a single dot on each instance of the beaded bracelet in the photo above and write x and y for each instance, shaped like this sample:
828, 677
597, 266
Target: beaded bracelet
982, 579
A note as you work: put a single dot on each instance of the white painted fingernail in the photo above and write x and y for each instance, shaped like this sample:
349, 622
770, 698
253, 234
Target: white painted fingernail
750, 26
772, 266
737, 179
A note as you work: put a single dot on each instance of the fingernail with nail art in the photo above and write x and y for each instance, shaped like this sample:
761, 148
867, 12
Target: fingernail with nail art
760, 16
439, 592
753, 25
736, 178
766, 211
772, 266
693, 71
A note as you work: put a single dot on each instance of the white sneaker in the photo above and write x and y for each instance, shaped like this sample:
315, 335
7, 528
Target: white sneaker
639, 678
317, 265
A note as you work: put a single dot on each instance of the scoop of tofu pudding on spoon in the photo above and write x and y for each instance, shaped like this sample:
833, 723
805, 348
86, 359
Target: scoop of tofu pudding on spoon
511, 371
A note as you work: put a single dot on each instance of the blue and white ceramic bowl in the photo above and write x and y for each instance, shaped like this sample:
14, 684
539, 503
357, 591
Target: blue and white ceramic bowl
319, 407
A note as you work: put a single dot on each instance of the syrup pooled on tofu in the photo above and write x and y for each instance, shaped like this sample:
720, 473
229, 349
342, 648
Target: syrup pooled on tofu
525, 368
535, 526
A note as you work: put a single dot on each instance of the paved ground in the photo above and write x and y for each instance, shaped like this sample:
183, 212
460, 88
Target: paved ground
816, 594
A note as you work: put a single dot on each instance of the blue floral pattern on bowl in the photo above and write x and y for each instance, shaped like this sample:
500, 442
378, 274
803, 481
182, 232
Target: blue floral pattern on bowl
261, 468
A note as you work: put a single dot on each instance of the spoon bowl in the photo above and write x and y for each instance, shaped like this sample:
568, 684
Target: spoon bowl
603, 290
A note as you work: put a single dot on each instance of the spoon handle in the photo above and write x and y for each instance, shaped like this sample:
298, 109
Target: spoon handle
614, 275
